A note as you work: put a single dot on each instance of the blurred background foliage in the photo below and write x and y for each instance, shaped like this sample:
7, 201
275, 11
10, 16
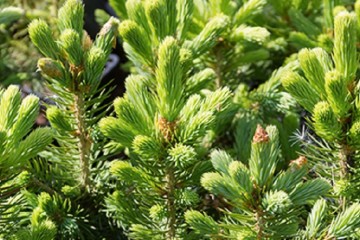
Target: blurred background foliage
18, 56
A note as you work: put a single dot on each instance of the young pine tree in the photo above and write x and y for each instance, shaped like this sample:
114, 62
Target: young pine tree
208, 29
71, 176
174, 111
73, 66
161, 128
261, 203
327, 88
19, 144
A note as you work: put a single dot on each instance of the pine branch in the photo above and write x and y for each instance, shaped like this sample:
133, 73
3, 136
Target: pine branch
42, 185
332, 90
75, 77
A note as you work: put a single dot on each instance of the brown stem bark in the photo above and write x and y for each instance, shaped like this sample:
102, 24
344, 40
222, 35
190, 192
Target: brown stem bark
84, 141
345, 157
217, 69
259, 224
170, 187
43, 186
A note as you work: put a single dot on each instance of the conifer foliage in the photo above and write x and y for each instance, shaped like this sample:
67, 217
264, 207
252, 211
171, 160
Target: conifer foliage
161, 121
326, 87
205, 143
73, 66
18, 144
68, 187
261, 203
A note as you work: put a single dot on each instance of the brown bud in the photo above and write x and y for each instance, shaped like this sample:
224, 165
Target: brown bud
167, 128
111, 25
51, 68
86, 41
299, 162
260, 136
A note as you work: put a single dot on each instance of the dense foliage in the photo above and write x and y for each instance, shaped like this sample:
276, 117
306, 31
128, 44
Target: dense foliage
240, 120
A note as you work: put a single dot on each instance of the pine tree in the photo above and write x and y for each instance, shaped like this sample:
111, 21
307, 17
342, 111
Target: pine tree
146, 28
18, 145
326, 88
260, 203
223, 46
161, 123
182, 154
71, 171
